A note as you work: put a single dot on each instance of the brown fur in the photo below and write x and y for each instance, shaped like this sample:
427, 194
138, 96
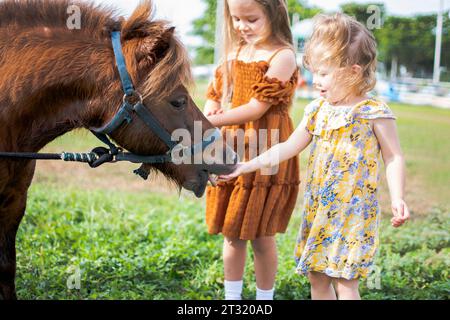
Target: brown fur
53, 80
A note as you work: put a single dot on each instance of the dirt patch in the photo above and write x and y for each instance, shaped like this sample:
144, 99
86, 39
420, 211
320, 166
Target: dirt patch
117, 177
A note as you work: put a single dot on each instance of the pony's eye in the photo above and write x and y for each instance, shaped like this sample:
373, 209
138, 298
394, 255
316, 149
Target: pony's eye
179, 103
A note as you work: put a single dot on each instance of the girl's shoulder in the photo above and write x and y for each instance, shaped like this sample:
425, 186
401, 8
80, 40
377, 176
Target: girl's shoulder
283, 56
373, 108
314, 106
282, 64
319, 114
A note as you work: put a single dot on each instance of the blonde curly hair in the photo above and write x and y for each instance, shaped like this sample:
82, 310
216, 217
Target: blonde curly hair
341, 41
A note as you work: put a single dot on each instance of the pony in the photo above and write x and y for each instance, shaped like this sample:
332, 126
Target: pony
54, 79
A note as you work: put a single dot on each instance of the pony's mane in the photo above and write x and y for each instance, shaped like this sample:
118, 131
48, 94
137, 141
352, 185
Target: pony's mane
171, 68
23, 14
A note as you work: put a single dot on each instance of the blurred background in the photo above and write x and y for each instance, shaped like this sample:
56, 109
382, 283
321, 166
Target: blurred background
135, 239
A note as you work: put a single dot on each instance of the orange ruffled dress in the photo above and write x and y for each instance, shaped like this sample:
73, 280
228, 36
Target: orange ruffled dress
255, 205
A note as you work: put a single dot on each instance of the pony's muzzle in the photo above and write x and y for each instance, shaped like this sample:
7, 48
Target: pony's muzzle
222, 159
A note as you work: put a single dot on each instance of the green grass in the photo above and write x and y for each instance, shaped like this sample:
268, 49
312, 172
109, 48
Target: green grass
130, 244
137, 246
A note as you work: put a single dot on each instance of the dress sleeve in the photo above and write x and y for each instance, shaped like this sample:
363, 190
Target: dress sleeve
374, 109
310, 114
275, 91
215, 88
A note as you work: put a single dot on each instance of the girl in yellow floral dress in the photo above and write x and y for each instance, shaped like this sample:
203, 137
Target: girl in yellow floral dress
349, 132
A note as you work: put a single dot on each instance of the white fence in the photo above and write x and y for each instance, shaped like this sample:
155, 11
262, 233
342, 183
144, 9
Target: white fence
415, 91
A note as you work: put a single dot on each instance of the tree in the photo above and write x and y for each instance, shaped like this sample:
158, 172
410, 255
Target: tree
364, 12
409, 40
205, 26
412, 41
302, 9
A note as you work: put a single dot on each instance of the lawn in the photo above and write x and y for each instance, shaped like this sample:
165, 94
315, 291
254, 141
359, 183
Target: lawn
130, 239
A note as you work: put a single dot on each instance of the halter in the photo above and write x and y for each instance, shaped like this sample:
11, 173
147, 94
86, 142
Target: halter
128, 108
101, 155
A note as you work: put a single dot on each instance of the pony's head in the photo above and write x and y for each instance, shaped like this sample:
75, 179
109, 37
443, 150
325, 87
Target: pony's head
64, 78
161, 72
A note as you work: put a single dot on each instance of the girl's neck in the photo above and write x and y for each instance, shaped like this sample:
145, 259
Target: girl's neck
258, 51
269, 44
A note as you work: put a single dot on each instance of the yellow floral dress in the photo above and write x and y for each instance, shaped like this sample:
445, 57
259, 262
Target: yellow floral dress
339, 232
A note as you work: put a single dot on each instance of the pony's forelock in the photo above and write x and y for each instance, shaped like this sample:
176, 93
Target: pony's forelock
171, 66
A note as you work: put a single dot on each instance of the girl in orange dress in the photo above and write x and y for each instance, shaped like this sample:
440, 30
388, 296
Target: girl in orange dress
259, 75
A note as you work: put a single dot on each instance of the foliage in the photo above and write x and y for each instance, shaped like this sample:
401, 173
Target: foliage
205, 27
361, 12
406, 39
411, 40
304, 10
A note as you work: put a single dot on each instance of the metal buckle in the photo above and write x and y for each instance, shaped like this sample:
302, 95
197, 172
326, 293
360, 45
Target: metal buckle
119, 151
135, 96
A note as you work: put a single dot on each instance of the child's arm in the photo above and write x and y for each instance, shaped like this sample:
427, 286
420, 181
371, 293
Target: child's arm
296, 143
249, 112
282, 67
386, 133
214, 91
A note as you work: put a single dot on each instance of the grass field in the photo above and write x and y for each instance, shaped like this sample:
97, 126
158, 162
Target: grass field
132, 239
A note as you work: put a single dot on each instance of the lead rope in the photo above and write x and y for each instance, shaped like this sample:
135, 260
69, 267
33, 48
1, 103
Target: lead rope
92, 158
95, 158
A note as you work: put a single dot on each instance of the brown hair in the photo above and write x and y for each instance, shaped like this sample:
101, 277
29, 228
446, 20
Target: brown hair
278, 29
340, 40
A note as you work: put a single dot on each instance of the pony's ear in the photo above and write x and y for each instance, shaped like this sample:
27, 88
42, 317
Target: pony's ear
154, 48
163, 42
137, 25
168, 34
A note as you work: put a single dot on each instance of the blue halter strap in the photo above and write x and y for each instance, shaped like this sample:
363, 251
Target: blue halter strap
127, 83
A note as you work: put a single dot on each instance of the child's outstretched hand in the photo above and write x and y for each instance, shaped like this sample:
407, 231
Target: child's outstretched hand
401, 213
213, 111
241, 168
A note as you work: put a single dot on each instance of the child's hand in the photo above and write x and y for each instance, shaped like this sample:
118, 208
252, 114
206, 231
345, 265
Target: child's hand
213, 111
400, 211
241, 168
